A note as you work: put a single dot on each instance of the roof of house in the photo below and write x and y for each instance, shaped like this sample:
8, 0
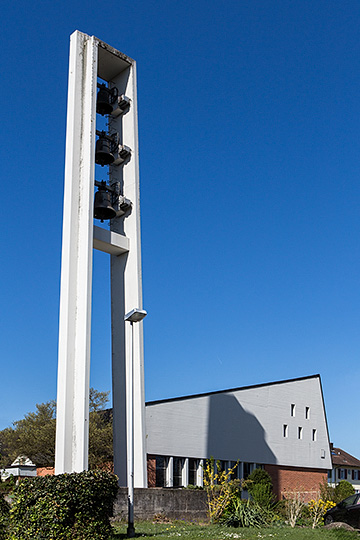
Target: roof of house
191, 396
343, 459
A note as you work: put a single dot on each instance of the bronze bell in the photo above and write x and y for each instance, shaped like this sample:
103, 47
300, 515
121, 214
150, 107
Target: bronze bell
105, 99
103, 150
103, 205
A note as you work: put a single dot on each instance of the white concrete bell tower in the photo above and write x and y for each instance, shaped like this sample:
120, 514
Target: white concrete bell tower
93, 62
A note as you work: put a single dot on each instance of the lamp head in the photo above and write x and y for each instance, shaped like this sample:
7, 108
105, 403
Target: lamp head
135, 315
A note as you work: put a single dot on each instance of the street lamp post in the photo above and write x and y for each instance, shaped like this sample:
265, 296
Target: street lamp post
135, 315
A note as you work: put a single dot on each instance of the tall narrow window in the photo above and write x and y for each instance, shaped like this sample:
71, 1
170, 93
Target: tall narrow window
223, 466
300, 430
193, 468
247, 470
307, 413
178, 465
292, 409
235, 468
314, 434
161, 464
285, 430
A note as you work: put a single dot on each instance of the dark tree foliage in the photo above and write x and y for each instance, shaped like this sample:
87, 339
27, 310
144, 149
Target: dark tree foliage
4, 517
342, 490
259, 476
34, 435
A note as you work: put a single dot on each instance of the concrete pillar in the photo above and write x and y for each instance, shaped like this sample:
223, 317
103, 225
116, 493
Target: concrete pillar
185, 473
72, 423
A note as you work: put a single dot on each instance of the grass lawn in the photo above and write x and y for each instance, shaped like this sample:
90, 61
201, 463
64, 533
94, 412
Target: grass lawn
215, 532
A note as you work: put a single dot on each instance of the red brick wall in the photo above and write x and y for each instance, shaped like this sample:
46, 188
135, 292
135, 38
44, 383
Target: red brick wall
151, 471
290, 479
44, 471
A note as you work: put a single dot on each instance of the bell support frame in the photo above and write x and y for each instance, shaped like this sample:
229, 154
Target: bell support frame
91, 58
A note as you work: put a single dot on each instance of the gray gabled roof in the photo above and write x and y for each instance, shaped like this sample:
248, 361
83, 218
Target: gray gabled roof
191, 396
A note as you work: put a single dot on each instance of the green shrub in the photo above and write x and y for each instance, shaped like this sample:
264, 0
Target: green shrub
245, 514
342, 490
4, 517
6, 486
73, 506
258, 476
262, 494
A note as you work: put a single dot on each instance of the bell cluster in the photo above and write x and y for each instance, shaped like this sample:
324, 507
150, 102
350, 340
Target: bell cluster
109, 151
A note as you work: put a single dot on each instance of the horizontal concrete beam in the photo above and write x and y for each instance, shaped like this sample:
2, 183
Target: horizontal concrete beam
110, 242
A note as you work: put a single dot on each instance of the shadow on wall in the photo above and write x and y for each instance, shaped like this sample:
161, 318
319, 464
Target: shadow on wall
234, 434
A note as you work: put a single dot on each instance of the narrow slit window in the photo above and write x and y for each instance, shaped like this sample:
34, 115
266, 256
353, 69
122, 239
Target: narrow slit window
314, 434
292, 409
285, 430
300, 431
307, 413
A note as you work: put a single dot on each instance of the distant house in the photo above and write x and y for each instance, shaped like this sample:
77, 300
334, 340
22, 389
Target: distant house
22, 467
344, 467
280, 426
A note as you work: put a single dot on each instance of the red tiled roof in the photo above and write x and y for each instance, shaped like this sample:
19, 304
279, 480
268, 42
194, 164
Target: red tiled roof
343, 459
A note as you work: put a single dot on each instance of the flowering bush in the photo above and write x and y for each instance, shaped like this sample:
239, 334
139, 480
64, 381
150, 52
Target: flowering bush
317, 509
219, 487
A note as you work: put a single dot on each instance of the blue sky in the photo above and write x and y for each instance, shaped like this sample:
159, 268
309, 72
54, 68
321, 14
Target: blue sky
249, 165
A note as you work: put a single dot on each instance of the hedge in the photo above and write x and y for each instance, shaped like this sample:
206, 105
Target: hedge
4, 516
74, 506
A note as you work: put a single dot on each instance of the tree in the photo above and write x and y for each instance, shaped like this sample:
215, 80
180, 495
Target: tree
342, 490
259, 476
34, 435
100, 431
259, 484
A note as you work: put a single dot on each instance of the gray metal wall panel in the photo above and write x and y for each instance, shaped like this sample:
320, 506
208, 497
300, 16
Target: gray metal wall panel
245, 424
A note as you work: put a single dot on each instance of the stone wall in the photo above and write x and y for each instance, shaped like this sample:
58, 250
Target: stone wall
172, 503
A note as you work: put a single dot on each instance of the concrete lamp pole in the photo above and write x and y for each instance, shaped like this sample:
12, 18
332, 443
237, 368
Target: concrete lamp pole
135, 315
